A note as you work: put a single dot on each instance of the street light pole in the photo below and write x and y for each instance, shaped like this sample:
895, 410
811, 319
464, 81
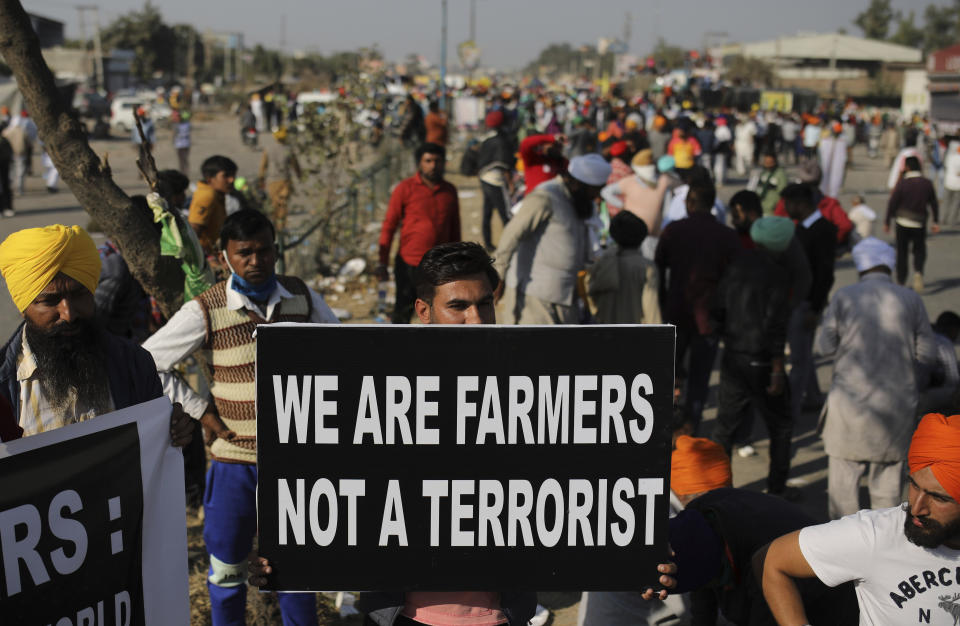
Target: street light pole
473, 21
443, 58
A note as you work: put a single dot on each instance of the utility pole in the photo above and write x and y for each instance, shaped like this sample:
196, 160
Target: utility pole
191, 59
443, 58
83, 38
627, 30
97, 47
226, 59
473, 21
283, 45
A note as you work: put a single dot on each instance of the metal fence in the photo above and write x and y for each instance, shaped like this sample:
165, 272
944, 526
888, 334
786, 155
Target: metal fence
343, 227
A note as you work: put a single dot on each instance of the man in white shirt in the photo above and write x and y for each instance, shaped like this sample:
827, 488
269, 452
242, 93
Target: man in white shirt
745, 135
223, 320
904, 560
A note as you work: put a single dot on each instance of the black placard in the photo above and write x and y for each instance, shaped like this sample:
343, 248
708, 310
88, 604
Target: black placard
71, 517
623, 375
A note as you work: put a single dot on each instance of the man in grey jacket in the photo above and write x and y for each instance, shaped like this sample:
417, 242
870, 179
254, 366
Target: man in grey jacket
878, 331
546, 244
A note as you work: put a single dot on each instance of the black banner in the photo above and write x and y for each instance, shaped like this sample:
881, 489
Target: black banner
464, 458
71, 516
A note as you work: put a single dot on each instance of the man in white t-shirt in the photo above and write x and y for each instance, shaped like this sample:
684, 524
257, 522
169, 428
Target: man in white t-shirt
904, 561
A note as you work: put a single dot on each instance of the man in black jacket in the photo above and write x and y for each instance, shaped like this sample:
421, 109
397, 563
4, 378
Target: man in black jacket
818, 237
751, 313
908, 206
719, 540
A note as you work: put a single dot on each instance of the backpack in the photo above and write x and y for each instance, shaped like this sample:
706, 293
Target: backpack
470, 163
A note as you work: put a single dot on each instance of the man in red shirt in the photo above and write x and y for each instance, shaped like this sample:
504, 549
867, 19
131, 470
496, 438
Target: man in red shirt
426, 209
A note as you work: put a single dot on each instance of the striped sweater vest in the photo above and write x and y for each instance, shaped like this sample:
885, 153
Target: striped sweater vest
233, 357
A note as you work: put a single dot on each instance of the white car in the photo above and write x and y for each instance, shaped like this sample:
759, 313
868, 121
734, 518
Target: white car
121, 113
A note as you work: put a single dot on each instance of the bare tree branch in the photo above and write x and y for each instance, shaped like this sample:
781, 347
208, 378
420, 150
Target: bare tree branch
88, 178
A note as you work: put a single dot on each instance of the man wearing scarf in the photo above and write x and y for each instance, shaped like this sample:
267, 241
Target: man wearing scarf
903, 559
223, 320
61, 366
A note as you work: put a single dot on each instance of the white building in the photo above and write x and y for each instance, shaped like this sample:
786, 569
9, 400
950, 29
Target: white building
831, 62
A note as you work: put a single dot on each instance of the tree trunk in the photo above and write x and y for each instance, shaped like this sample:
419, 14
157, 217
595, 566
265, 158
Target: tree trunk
89, 178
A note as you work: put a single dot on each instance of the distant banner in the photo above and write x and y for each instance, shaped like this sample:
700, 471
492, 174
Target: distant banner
463, 458
776, 101
92, 526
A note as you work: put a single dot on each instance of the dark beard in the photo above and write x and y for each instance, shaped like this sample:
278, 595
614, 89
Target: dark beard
68, 363
583, 205
933, 534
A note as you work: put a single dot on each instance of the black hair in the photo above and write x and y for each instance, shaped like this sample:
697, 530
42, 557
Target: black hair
696, 175
912, 163
216, 164
705, 194
628, 230
429, 148
244, 225
447, 262
948, 323
139, 202
434, 106
170, 183
748, 201
798, 192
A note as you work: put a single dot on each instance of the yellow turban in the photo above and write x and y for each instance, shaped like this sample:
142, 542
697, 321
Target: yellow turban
31, 258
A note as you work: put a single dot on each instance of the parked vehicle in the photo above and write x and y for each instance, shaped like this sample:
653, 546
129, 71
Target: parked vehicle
121, 113
90, 104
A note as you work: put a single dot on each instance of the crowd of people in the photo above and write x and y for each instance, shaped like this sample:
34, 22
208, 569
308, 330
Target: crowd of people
610, 215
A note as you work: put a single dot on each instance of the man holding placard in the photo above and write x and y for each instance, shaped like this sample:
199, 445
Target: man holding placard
454, 285
434, 479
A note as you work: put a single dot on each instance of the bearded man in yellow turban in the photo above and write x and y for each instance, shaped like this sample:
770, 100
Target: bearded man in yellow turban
60, 367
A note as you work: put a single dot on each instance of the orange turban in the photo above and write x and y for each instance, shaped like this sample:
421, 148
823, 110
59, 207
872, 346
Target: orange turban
936, 444
698, 465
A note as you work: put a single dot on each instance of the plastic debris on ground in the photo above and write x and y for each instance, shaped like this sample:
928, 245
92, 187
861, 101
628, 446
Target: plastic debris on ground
353, 268
342, 314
